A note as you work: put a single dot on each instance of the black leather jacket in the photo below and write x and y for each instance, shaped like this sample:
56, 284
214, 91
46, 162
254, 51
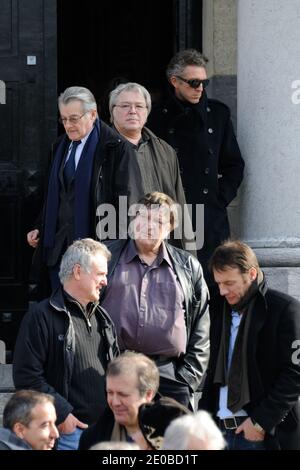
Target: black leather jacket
190, 367
45, 350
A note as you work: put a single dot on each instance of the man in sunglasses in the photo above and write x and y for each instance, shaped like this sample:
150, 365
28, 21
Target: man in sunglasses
201, 131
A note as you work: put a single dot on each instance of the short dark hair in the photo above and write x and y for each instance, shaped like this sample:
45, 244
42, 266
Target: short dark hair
19, 407
233, 254
146, 370
184, 58
161, 199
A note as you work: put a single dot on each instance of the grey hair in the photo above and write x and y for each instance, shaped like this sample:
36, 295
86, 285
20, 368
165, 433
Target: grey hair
78, 93
19, 407
81, 252
200, 426
146, 370
184, 58
130, 86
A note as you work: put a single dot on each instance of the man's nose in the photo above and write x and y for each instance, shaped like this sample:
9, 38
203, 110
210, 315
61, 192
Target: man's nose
54, 432
115, 401
223, 290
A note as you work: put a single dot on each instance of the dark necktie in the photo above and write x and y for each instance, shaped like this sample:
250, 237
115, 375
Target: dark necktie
69, 169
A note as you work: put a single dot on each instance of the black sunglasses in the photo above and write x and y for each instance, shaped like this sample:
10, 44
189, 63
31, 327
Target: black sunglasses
195, 82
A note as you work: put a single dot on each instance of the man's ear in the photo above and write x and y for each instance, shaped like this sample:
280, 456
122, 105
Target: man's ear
94, 114
173, 81
18, 429
77, 271
149, 395
253, 273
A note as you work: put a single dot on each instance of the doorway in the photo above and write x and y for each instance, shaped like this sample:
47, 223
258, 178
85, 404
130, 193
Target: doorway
102, 44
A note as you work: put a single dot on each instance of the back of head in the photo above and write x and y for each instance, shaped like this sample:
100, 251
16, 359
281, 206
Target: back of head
146, 371
19, 407
233, 254
81, 252
78, 93
193, 432
155, 417
184, 58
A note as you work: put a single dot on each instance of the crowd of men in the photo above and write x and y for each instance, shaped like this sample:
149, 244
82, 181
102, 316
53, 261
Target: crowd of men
146, 309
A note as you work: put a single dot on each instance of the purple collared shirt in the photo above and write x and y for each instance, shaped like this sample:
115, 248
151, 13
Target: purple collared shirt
146, 304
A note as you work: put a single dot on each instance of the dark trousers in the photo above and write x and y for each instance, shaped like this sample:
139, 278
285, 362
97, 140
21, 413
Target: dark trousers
53, 276
176, 390
238, 442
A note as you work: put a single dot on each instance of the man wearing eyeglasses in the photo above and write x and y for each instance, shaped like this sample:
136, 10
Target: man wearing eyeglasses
201, 131
158, 169
90, 165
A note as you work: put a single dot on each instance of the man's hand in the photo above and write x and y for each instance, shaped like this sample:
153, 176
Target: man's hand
70, 424
33, 238
250, 432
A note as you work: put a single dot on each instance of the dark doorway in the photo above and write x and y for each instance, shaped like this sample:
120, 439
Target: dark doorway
27, 127
90, 43
100, 43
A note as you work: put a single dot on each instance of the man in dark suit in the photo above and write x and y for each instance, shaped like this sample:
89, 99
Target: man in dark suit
201, 132
253, 379
90, 165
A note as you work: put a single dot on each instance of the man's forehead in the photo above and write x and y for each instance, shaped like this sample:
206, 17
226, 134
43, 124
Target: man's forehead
155, 210
227, 271
72, 106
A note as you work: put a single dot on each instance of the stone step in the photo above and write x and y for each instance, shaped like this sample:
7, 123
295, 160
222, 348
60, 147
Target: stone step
6, 386
4, 397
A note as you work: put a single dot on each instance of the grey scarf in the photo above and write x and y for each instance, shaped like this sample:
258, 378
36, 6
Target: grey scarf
237, 376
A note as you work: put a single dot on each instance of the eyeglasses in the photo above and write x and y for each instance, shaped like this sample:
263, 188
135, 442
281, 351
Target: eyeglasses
195, 82
72, 119
127, 106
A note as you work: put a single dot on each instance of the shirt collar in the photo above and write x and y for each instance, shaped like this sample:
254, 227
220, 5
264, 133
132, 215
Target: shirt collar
131, 253
83, 140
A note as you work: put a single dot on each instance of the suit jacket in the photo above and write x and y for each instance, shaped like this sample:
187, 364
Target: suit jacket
273, 367
114, 173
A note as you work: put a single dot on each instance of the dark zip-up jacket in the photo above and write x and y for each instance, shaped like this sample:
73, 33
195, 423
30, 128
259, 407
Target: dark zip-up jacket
45, 350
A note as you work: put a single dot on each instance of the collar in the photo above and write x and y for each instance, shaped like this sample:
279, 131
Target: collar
14, 442
83, 140
131, 253
88, 311
258, 287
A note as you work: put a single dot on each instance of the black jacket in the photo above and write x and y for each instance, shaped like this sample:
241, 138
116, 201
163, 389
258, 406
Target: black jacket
45, 350
114, 174
99, 432
190, 367
274, 373
210, 161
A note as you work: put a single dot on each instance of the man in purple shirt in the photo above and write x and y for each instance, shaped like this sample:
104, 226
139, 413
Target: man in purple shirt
158, 299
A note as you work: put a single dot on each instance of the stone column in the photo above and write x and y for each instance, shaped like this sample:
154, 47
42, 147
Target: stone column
269, 136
